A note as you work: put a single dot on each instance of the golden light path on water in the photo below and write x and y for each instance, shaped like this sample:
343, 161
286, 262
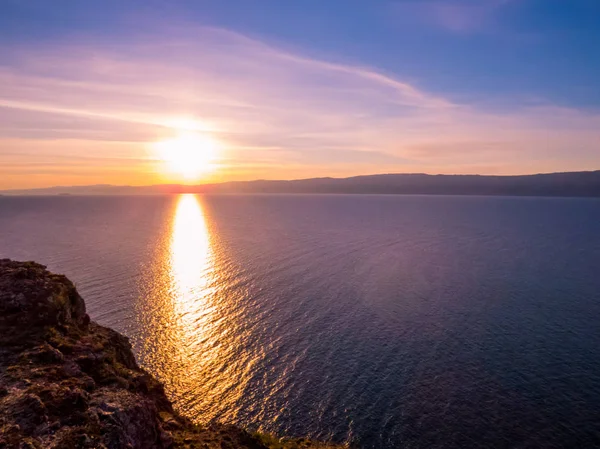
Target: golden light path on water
191, 268
192, 336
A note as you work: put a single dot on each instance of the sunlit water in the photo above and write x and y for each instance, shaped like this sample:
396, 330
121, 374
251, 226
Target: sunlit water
387, 321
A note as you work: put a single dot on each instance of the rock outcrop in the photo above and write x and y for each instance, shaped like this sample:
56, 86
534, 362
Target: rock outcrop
67, 382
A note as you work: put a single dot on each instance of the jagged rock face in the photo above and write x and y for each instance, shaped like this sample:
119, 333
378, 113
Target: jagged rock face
66, 382
31, 297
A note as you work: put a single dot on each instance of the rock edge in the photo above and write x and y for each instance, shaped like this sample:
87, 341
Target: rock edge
67, 382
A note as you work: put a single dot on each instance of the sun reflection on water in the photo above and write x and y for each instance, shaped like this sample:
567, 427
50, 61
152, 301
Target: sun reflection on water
192, 286
181, 314
191, 264
193, 336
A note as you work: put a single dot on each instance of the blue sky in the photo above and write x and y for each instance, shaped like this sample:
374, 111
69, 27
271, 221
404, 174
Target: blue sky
337, 87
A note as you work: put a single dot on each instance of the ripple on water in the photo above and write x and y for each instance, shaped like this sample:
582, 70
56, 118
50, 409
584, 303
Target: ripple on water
385, 320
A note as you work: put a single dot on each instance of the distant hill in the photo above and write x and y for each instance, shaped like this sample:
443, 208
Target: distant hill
580, 184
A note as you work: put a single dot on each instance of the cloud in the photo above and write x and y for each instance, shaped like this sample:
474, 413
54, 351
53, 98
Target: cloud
461, 16
276, 113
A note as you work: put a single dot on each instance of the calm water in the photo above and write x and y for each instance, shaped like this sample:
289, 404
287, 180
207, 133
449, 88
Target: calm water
387, 321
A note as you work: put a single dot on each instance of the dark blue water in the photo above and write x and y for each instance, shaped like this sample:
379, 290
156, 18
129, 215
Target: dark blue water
385, 321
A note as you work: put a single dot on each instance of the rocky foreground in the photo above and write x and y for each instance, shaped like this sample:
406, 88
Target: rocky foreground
66, 382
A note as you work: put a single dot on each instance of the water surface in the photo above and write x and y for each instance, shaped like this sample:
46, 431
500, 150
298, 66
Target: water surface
387, 321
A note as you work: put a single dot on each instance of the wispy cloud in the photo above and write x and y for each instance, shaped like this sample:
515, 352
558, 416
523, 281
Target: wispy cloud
277, 114
461, 16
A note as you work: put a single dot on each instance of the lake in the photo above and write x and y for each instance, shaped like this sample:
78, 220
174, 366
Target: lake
385, 321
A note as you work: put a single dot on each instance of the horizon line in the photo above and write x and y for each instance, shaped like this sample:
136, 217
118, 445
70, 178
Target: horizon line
295, 180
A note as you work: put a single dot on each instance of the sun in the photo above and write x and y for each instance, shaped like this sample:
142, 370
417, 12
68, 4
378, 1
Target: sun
188, 155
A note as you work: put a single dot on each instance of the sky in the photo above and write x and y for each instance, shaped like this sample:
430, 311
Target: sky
134, 92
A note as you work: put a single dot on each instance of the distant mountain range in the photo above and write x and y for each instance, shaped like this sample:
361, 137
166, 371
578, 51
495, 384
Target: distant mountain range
580, 184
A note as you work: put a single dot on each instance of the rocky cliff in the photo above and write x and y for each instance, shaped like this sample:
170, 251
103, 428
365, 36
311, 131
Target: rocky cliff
66, 382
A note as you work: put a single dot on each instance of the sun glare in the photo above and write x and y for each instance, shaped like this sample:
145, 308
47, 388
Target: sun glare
189, 155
